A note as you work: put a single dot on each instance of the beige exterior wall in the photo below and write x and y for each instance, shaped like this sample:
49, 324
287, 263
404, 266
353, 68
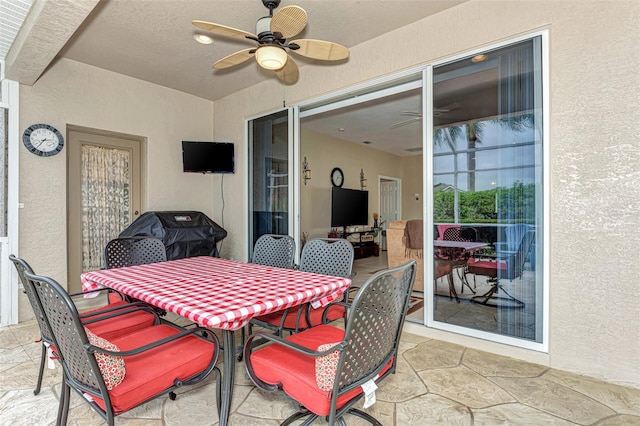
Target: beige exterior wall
71, 93
594, 158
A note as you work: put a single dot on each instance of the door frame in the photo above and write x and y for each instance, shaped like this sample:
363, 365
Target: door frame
9, 285
74, 180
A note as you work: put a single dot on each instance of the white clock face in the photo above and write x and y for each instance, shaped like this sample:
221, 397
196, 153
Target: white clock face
43, 140
337, 178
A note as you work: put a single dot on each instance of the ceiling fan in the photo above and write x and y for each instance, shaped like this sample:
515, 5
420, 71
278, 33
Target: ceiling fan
272, 45
417, 116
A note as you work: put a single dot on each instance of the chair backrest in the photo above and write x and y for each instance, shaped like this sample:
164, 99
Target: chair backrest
69, 337
327, 256
514, 235
374, 324
515, 261
131, 251
274, 250
460, 234
22, 266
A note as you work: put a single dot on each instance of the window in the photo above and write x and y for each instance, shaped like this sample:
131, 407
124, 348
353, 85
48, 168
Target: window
487, 176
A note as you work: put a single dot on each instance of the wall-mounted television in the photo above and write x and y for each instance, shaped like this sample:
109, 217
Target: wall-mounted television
349, 207
208, 157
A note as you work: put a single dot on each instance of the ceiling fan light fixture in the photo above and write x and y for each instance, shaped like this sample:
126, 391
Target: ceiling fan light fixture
203, 39
271, 57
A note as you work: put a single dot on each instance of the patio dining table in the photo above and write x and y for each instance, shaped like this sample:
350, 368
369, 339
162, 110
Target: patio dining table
451, 250
219, 293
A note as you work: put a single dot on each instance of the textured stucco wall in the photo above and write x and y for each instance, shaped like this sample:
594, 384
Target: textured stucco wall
594, 120
71, 93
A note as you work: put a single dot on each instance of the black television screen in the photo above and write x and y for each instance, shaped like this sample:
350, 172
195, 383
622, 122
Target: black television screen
349, 207
208, 157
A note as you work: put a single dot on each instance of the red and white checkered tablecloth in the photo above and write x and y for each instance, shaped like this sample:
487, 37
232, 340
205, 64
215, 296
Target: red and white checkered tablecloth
218, 293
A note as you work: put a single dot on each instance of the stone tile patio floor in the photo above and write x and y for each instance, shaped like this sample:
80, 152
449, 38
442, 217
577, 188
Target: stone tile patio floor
436, 383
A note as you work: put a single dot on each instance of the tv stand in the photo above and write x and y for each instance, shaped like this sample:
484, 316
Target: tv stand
361, 249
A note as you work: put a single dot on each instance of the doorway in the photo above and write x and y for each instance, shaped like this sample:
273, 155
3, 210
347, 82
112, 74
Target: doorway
104, 189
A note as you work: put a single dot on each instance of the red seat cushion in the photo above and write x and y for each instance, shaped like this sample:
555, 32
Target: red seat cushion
276, 364
154, 371
485, 267
275, 318
121, 325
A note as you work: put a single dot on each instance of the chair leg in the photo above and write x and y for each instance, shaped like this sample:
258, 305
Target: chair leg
364, 416
463, 280
63, 406
452, 288
299, 415
43, 359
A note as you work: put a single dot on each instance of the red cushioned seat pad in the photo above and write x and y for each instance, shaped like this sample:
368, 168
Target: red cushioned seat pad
121, 325
154, 371
275, 318
486, 267
296, 372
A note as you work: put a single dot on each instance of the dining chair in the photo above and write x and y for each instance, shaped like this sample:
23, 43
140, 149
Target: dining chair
132, 251
325, 256
505, 266
109, 321
116, 375
274, 250
325, 368
459, 261
442, 268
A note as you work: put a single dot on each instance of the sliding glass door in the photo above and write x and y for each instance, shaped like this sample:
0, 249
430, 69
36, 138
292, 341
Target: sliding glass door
270, 177
488, 191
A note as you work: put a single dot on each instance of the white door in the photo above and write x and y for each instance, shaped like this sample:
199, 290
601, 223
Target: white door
389, 204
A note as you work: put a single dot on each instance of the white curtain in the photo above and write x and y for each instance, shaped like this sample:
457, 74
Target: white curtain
106, 202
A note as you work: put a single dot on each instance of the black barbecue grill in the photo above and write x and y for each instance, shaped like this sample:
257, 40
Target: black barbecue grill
183, 233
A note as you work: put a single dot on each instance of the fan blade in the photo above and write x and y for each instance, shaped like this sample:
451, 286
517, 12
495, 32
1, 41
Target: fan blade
289, 21
289, 73
404, 123
320, 49
234, 59
223, 30
411, 113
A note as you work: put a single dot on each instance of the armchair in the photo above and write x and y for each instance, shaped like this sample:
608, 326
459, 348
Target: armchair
326, 256
324, 368
506, 266
118, 375
112, 320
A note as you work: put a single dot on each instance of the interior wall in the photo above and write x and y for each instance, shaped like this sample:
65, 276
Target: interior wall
324, 153
411, 185
593, 159
70, 93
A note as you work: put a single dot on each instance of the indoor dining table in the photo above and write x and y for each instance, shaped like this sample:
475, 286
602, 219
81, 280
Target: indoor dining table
219, 293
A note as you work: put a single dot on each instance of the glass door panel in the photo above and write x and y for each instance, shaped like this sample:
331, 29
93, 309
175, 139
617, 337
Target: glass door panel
487, 175
269, 176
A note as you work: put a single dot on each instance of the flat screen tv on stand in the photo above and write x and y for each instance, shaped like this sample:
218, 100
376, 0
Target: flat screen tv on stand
349, 207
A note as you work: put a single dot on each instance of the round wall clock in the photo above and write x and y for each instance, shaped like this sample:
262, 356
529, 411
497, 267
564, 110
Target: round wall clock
43, 140
337, 177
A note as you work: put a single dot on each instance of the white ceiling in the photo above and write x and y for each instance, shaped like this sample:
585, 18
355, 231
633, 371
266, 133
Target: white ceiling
152, 40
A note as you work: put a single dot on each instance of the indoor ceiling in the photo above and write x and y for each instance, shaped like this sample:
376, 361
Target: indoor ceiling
154, 41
